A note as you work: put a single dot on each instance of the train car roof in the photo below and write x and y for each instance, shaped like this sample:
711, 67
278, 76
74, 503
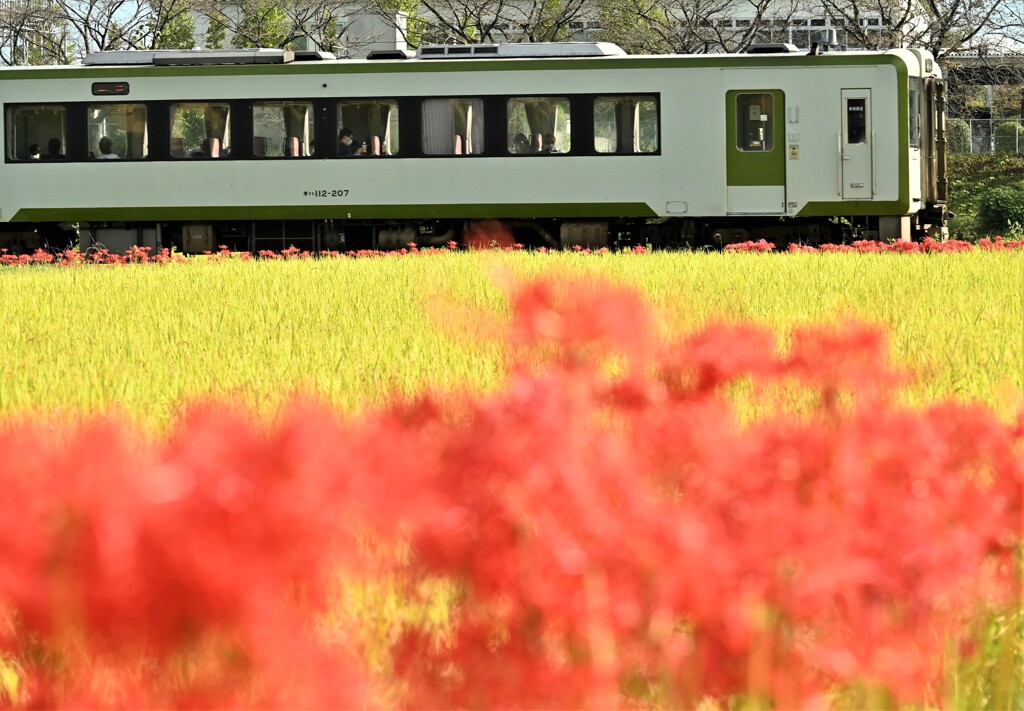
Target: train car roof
568, 55
199, 57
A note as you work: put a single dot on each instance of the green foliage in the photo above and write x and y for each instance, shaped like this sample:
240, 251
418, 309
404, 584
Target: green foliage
988, 678
1009, 137
216, 32
551, 25
998, 101
629, 24
1001, 208
178, 32
970, 176
958, 136
330, 38
1006, 100
190, 125
265, 24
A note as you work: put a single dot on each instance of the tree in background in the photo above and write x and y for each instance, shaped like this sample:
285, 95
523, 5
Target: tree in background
27, 32
172, 26
64, 30
942, 26
958, 136
98, 25
270, 23
692, 26
484, 21
262, 24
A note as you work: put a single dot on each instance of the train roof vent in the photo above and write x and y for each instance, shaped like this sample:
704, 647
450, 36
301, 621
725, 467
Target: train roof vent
773, 48
194, 57
525, 49
312, 56
391, 54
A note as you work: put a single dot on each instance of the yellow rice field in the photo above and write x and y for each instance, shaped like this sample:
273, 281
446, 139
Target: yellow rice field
146, 339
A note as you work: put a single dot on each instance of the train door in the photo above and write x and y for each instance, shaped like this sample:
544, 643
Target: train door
857, 141
755, 152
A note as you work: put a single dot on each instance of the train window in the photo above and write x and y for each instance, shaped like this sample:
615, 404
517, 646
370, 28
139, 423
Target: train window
36, 132
856, 121
373, 124
538, 125
625, 124
755, 122
915, 112
200, 130
118, 131
453, 127
282, 129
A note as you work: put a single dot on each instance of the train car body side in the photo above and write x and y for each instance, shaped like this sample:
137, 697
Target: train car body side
676, 149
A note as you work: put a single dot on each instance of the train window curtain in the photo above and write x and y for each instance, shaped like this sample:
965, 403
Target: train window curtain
444, 119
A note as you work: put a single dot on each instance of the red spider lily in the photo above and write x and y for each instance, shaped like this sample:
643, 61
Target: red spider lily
607, 515
751, 246
774, 559
483, 235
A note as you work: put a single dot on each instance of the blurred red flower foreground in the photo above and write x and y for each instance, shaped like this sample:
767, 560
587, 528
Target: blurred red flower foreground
604, 518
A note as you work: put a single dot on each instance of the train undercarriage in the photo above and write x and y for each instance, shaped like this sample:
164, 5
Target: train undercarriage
343, 236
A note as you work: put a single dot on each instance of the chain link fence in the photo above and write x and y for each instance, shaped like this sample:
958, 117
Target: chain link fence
985, 135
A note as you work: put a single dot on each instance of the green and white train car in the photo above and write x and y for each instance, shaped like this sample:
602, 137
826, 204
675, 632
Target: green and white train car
569, 143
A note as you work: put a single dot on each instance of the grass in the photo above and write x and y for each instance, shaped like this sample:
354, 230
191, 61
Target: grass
146, 339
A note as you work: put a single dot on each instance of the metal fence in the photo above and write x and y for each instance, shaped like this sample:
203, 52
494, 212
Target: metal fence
985, 135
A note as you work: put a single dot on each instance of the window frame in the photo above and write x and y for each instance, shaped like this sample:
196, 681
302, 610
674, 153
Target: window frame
232, 124
487, 126
400, 106
741, 124
8, 110
656, 95
89, 106
507, 99
250, 123
326, 122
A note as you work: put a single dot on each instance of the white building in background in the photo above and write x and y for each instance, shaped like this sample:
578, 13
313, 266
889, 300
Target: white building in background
366, 33
361, 33
802, 29
798, 22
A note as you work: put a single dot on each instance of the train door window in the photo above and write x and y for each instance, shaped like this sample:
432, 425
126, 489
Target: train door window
374, 127
755, 122
539, 125
200, 130
856, 121
626, 124
282, 129
915, 112
453, 127
118, 131
36, 132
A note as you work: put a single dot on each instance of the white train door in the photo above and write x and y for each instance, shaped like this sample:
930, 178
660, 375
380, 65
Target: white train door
857, 145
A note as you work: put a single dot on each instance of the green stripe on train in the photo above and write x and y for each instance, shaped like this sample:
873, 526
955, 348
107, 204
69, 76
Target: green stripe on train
337, 212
